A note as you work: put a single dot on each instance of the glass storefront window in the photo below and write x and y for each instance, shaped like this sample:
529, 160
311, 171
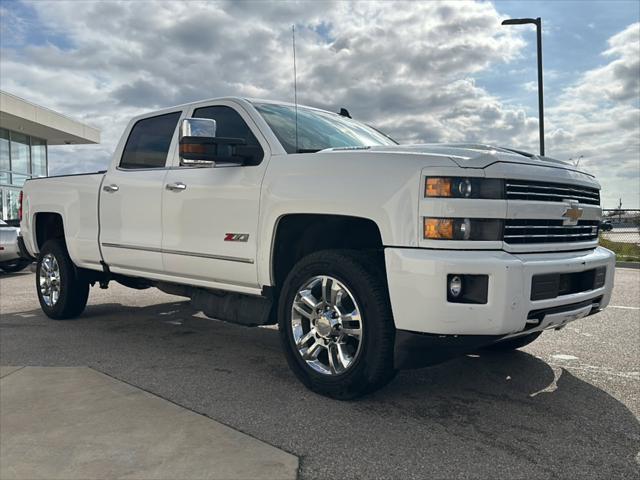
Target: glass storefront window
5, 166
38, 157
14, 199
20, 153
21, 157
18, 180
9, 198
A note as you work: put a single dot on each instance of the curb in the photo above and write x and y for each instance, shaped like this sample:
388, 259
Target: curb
628, 265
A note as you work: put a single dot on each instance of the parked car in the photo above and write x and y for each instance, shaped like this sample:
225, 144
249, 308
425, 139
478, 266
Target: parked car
606, 226
371, 256
10, 260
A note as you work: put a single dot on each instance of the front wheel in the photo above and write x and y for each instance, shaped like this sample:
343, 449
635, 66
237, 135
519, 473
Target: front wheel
336, 324
62, 291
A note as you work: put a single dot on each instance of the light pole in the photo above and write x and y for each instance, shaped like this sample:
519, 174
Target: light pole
538, 23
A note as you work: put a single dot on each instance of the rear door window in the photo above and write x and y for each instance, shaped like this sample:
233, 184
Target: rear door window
149, 141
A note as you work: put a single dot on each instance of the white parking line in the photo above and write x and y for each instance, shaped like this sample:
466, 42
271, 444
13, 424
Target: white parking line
623, 307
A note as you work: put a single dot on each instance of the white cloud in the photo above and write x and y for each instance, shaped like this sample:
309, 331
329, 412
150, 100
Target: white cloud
599, 117
407, 68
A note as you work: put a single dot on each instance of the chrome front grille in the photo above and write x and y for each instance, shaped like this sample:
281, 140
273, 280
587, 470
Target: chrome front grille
551, 192
517, 231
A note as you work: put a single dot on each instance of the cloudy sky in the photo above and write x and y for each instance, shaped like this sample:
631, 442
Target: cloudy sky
422, 71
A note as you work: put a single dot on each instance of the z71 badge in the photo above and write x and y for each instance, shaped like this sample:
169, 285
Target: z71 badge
236, 237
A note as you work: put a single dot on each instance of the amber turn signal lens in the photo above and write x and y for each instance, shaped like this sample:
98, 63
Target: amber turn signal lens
438, 228
192, 148
482, 229
438, 187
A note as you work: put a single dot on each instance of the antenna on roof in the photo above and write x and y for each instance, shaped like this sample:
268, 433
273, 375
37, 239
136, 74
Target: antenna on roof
345, 113
295, 81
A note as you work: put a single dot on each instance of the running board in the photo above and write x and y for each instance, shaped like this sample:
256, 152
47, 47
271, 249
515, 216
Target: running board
247, 310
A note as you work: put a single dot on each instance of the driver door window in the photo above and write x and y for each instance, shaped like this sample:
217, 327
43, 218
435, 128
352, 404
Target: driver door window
230, 124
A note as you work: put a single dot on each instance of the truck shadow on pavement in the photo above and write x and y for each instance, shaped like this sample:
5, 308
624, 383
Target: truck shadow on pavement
483, 416
5, 275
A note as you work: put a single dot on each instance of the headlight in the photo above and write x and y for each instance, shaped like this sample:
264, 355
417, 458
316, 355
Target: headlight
460, 187
463, 229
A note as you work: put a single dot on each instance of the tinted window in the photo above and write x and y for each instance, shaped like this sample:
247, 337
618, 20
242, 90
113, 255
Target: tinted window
317, 129
149, 141
229, 123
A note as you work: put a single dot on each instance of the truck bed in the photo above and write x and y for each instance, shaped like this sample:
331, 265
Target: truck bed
75, 198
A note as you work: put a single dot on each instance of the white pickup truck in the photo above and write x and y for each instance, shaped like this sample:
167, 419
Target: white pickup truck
371, 256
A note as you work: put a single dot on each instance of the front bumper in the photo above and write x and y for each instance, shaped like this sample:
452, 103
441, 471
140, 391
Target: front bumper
418, 290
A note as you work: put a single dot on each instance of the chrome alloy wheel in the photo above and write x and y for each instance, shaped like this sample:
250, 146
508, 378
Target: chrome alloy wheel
49, 280
327, 325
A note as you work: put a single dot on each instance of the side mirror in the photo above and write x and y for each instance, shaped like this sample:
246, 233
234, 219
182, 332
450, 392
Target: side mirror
195, 135
199, 145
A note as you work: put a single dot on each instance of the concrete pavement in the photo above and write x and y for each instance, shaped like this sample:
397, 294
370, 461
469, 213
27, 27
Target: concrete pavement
77, 423
4, 371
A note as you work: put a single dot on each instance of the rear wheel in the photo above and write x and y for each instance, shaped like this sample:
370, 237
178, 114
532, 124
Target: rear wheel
336, 325
513, 343
62, 291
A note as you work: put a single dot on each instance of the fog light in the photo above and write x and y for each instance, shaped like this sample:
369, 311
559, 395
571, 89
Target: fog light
455, 286
467, 288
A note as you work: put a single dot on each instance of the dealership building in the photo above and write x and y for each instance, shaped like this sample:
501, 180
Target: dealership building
27, 131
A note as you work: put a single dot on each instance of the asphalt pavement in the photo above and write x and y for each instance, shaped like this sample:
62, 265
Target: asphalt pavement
566, 406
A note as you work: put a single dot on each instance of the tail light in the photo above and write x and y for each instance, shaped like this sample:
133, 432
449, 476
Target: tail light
20, 205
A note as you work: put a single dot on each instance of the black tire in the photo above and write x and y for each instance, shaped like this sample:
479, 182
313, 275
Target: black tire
15, 266
513, 343
372, 367
74, 289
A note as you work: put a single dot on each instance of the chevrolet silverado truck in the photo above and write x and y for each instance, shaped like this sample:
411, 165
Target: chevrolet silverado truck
369, 255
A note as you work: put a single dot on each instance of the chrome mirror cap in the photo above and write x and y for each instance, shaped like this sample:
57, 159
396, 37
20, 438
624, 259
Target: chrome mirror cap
198, 127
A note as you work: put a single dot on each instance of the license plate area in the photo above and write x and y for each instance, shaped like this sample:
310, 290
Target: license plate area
560, 319
561, 315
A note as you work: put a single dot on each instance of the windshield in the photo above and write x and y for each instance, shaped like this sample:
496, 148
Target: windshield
318, 130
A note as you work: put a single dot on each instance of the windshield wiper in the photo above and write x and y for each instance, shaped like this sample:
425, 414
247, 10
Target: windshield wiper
308, 150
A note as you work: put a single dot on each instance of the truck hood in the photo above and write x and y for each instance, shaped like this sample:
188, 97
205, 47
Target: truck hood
467, 155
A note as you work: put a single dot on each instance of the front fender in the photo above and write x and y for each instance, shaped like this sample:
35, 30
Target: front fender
378, 186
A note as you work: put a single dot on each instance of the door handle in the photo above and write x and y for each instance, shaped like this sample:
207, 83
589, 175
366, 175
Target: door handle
176, 187
111, 188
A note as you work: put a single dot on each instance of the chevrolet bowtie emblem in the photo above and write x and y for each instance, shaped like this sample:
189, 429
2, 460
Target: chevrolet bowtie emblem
572, 215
